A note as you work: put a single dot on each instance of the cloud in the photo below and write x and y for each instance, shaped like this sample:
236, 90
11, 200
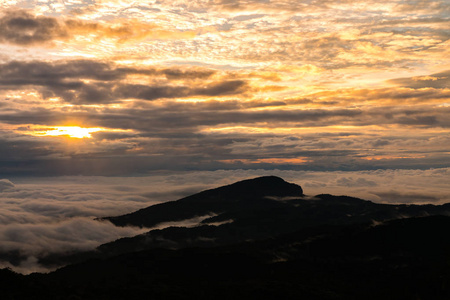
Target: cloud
253, 31
85, 81
23, 148
175, 136
351, 182
75, 234
44, 203
280, 5
56, 216
157, 92
424, 6
42, 73
187, 118
68, 236
5, 184
406, 197
21, 27
263, 88
439, 80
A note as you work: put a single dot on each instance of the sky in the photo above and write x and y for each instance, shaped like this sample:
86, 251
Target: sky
107, 106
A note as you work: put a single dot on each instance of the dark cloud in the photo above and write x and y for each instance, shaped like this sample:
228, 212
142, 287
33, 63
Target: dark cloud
5, 184
205, 154
439, 80
380, 143
85, 81
184, 117
18, 73
23, 148
248, 17
187, 117
113, 136
175, 136
173, 73
156, 92
429, 120
22, 28
59, 73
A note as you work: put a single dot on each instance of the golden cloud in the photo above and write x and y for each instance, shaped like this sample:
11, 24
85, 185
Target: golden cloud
21, 27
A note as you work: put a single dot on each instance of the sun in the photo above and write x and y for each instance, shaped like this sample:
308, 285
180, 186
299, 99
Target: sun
72, 131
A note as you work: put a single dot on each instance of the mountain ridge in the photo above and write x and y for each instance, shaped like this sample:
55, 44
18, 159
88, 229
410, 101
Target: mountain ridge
252, 209
213, 201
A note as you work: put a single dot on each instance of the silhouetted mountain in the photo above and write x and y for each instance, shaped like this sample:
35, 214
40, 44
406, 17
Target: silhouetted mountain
242, 193
253, 209
265, 240
250, 210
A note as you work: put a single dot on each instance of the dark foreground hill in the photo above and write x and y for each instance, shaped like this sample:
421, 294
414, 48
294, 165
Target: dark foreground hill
402, 259
266, 240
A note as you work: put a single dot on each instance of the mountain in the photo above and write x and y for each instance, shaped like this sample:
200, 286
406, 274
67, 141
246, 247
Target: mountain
252, 209
259, 239
219, 200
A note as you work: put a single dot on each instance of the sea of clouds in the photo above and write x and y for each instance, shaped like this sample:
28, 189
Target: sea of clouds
41, 216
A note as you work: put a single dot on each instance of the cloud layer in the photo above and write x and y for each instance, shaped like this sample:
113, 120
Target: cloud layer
54, 216
206, 85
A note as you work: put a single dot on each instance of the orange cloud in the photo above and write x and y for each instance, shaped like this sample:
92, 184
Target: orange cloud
21, 27
125, 30
291, 161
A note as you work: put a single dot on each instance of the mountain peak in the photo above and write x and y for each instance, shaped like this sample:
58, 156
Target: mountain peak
263, 180
218, 200
260, 187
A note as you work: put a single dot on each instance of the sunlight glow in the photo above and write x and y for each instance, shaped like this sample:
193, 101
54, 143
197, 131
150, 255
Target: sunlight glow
72, 131
76, 132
